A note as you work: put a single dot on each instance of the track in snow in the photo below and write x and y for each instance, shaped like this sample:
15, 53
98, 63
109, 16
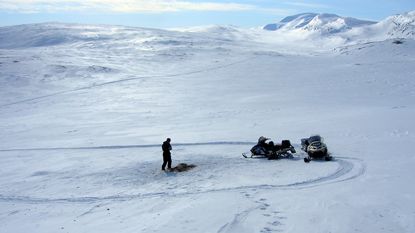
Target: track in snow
349, 168
115, 147
125, 80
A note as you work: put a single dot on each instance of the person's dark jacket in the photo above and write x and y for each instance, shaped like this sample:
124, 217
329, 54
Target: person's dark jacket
166, 147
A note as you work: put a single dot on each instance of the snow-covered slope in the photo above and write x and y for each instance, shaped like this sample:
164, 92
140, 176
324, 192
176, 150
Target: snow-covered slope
51, 34
55, 34
402, 25
84, 109
397, 26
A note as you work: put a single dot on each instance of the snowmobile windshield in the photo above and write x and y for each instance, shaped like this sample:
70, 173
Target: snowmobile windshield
315, 139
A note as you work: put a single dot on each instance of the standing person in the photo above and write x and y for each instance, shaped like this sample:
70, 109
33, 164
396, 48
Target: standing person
166, 154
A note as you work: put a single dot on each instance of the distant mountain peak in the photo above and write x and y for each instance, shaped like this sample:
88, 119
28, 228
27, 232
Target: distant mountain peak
401, 25
323, 23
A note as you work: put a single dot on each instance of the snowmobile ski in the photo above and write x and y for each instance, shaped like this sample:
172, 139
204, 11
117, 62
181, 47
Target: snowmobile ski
326, 158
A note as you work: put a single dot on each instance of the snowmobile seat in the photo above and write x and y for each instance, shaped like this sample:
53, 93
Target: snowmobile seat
285, 144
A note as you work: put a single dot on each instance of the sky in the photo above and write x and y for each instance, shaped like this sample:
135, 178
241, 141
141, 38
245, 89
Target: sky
187, 13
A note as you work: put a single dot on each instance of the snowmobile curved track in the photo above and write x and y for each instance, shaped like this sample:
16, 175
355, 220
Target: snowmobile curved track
349, 168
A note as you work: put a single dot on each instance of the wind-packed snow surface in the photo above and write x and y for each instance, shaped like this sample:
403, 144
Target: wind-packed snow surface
84, 110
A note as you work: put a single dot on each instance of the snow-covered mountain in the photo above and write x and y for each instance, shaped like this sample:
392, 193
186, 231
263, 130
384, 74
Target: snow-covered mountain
322, 23
311, 26
316, 30
398, 26
52, 34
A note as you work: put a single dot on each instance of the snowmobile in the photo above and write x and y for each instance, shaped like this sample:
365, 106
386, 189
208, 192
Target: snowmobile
315, 148
270, 150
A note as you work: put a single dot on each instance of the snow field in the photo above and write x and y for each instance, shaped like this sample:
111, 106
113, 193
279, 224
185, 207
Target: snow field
82, 121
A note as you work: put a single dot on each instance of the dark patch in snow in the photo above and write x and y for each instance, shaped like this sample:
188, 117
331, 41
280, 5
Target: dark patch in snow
58, 68
100, 69
40, 173
397, 41
182, 167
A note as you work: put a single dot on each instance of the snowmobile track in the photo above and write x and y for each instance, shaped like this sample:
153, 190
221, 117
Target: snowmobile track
349, 168
116, 147
126, 80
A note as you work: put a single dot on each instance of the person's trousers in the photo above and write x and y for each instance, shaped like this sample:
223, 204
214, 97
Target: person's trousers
166, 161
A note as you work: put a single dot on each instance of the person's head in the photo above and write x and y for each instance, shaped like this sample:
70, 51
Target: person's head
262, 139
168, 140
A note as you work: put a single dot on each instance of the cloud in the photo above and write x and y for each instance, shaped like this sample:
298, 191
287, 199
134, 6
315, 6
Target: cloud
122, 6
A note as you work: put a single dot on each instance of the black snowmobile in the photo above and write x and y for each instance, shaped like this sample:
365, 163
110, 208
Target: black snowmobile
267, 149
315, 148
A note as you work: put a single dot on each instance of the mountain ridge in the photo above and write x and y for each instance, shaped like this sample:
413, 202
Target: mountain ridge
323, 22
347, 29
324, 29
